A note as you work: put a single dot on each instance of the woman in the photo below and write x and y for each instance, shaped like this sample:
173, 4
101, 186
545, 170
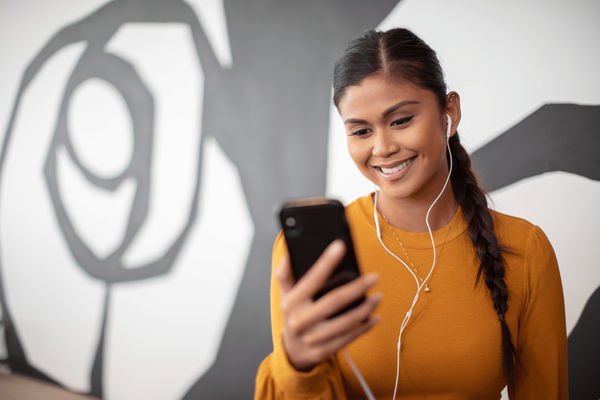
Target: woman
461, 300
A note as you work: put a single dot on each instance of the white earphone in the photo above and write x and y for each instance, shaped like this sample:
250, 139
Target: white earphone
359, 376
433, 264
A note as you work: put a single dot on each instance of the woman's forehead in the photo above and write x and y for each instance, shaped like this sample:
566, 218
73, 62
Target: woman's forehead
377, 93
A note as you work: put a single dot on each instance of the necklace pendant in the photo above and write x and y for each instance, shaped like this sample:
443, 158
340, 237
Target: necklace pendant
426, 289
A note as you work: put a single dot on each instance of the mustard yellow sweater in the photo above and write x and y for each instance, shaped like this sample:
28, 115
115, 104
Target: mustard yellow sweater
451, 347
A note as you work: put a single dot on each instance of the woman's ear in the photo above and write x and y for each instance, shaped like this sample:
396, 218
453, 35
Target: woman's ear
453, 110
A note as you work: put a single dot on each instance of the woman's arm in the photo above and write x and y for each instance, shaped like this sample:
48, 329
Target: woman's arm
542, 337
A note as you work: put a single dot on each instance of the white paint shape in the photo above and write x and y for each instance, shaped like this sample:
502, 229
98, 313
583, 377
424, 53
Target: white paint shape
163, 334
99, 216
565, 207
344, 180
166, 60
27, 26
211, 14
100, 128
507, 58
56, 308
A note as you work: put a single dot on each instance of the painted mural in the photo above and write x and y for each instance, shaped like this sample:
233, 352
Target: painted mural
147, 143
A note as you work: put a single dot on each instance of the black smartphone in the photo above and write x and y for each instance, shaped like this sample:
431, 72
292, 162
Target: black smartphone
309, 225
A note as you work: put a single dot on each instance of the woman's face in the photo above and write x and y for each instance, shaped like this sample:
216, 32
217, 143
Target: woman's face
396, 136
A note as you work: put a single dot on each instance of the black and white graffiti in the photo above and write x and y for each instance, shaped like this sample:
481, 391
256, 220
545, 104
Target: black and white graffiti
147, 142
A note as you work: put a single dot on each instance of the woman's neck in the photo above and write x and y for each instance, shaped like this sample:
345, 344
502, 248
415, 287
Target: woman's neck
409, 213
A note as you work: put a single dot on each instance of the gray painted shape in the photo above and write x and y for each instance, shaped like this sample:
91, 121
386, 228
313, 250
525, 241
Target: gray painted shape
584, 352
94, 63
96, 29
269, 113
556, 137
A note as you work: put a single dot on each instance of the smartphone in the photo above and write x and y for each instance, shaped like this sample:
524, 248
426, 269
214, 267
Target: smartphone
309, 225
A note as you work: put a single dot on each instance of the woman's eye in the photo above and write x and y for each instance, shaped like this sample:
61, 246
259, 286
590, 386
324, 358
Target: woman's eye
360, 132
401, 121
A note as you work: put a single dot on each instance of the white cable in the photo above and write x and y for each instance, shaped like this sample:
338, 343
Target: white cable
419, 287
378, 229
359, 376
361, 380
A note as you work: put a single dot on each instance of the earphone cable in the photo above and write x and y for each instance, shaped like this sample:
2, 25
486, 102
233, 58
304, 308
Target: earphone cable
354, 368
361, 380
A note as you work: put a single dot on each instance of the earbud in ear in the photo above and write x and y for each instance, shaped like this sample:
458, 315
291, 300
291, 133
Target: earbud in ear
448, 125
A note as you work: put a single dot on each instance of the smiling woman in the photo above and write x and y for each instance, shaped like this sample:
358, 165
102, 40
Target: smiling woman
397, 139
471, 299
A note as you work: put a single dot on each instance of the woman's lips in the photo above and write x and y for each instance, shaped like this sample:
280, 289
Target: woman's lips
396, 171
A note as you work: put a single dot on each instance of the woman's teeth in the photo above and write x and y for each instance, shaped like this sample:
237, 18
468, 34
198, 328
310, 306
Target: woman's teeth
396, 168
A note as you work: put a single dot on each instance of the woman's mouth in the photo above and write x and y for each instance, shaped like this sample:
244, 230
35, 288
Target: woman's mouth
396, 171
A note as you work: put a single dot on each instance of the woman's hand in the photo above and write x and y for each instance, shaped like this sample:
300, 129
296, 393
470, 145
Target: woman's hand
308, 336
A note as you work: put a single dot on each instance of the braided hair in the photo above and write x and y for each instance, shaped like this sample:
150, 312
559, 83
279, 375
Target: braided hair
400, 53
472, 199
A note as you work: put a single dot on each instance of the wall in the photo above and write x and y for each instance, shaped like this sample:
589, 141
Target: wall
146, 144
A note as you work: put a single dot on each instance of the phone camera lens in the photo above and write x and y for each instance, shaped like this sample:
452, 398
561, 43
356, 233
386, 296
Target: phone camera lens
290, 222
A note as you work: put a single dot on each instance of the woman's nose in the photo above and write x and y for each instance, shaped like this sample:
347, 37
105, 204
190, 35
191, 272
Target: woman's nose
384, 144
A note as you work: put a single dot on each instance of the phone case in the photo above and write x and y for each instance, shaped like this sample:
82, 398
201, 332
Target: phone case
309, 226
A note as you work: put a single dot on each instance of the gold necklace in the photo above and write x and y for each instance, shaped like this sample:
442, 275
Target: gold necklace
426, 288
412, 266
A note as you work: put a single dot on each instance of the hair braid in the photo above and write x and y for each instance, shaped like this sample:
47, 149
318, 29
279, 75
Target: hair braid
481, 231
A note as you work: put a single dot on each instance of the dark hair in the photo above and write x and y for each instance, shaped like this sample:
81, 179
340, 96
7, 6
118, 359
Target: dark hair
399, 53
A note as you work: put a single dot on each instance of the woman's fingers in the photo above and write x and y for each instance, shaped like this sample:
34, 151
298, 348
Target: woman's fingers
333, 302
308, 337
284, 275
340, 297
329, 348
317, 275
344, 323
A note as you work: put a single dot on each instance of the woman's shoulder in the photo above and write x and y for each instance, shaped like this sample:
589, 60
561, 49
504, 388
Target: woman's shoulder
520, 236
361, 209
513, 229
361, 202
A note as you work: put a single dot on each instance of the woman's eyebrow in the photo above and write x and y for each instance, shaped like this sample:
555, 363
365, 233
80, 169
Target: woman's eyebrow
396, 106
387, 112
354, 121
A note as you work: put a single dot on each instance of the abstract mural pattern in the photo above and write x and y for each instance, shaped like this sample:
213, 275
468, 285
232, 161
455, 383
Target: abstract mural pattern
145, 231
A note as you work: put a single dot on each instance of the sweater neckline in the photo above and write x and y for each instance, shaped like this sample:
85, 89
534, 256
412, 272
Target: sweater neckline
415, 240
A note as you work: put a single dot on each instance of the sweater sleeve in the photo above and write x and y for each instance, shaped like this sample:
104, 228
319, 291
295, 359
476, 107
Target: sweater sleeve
276, 377
542, 339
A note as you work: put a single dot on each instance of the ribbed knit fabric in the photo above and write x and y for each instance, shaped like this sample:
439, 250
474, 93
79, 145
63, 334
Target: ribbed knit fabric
451, 347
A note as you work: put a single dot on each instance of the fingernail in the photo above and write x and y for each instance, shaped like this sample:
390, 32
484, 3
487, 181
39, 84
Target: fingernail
377, 297
371, 278
337, 245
